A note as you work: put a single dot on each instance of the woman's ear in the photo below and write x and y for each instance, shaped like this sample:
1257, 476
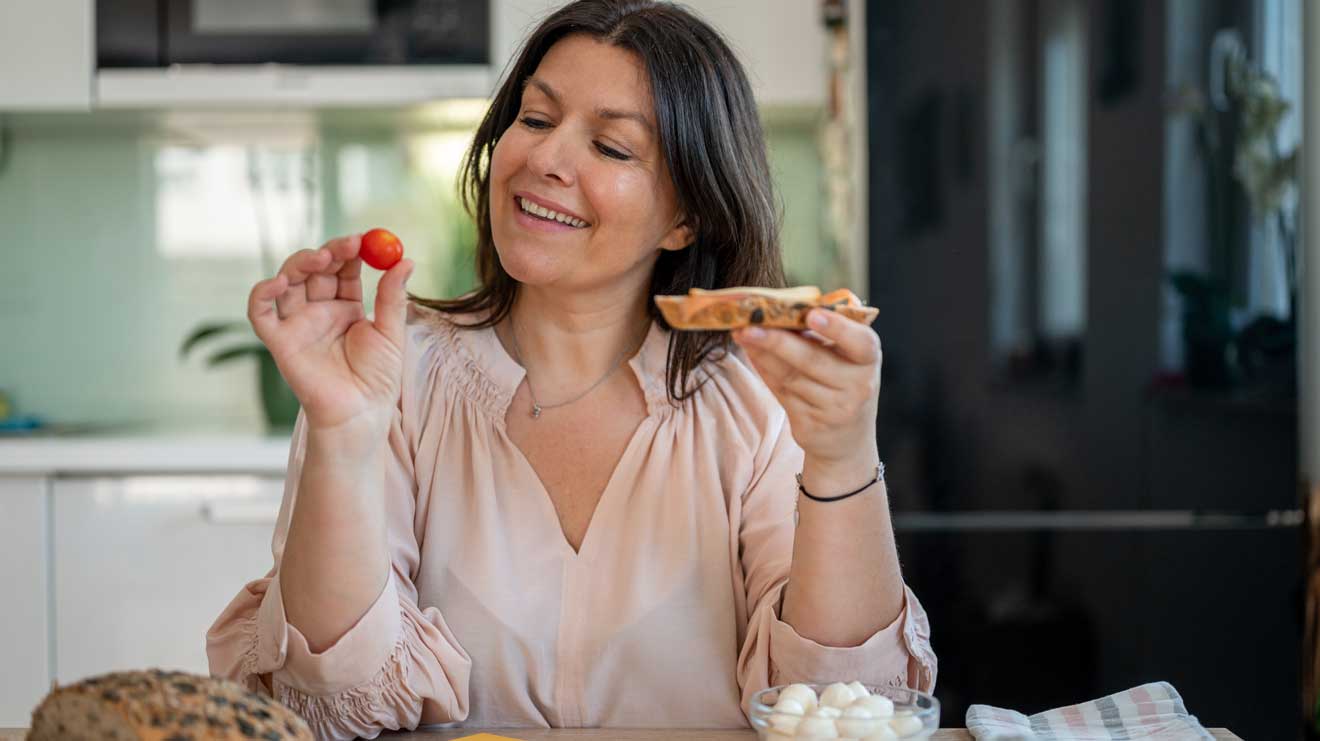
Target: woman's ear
679, 237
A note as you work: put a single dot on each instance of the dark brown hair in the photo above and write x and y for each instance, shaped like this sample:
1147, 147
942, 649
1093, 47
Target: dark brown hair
710, 136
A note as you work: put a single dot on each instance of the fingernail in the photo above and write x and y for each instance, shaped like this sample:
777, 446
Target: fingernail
818, 320
753, 334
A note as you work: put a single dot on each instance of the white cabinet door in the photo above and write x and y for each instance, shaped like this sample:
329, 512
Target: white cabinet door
143, 565
781, 43
512, 21
47, 54
25, 636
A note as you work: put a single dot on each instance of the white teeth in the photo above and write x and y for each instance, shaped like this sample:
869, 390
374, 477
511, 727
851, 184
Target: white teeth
546, 213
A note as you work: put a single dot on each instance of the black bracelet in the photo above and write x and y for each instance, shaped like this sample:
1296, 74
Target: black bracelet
879, 476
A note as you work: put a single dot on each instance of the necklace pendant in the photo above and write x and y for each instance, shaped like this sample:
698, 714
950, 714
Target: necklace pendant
536, 411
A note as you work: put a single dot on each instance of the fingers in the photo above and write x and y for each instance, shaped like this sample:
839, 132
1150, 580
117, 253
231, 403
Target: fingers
331, 272
350, 280
853, 340
331, 276
786, 382
392, 301
300, 266
797, 356
261, 310
346, 314
827, 380
341, 278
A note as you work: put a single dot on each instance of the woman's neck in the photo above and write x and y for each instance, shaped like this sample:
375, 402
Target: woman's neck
565, 341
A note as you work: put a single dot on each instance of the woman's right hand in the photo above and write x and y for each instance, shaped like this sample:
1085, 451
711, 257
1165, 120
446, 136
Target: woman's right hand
345, 369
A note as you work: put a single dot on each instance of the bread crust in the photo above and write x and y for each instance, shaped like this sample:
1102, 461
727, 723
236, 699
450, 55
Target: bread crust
156, 705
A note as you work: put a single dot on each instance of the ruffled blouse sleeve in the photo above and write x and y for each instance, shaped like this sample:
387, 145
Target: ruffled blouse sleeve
398, 666
773, 653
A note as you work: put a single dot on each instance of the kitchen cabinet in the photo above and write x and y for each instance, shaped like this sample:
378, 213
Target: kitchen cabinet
25, 645
142, 565
47, 55
119, 551
48, 58
782, 43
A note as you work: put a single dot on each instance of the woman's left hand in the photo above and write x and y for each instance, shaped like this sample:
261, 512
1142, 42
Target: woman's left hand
830, 391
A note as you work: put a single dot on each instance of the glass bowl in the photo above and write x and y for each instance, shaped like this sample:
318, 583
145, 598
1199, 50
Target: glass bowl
920, 710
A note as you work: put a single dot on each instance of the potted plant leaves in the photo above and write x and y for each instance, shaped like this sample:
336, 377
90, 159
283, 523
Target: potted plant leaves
277, 400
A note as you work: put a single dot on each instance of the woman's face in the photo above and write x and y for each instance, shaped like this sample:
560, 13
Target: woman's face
584, 146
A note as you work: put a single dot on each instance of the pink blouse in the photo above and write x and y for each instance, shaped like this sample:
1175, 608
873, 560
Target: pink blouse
667, 616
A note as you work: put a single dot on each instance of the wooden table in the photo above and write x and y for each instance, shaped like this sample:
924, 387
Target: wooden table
601, 734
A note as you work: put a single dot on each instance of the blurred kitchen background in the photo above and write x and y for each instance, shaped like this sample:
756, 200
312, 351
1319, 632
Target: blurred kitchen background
1081, 222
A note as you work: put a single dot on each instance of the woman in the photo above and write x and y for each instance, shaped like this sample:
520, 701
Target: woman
535, 505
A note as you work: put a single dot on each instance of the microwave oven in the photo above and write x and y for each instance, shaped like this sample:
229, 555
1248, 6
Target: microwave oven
164, 33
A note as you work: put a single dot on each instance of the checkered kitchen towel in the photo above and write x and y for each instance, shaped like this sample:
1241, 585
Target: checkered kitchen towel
1151, 711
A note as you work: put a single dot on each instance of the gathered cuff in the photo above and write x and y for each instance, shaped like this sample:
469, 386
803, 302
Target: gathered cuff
897, 655
385, 701
923, 667
351, 661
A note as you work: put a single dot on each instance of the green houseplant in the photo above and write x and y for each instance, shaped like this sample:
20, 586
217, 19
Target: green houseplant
1249, 177
277, 399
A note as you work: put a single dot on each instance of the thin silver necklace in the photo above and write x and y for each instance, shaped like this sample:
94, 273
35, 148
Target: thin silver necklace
537, 407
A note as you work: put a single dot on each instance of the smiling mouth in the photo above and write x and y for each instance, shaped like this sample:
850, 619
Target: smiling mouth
545, 214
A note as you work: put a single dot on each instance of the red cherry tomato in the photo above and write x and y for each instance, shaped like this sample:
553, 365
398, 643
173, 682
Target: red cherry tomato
381, 249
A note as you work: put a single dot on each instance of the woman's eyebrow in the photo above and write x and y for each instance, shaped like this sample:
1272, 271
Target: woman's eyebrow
610, 114
615, 114
545, 88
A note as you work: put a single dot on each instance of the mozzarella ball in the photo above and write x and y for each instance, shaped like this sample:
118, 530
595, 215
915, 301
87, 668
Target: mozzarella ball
817, 726
791, 706
857, 722
905, 724
827, 711
879, 705
837, 695
859, 690
799, 692
884, 733
784, 723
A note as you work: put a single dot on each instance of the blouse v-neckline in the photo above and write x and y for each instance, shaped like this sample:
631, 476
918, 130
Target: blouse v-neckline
647, 365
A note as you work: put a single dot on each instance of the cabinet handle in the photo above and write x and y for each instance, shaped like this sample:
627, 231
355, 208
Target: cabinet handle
241, 513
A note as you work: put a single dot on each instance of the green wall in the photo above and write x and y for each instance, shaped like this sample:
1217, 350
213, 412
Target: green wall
122, 232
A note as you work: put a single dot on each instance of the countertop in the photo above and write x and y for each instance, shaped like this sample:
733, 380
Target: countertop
164, 451
601, 734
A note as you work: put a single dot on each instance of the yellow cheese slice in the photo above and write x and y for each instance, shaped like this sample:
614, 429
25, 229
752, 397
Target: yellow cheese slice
803, 294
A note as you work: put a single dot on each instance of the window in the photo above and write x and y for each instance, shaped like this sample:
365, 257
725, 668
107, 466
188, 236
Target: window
1037, 202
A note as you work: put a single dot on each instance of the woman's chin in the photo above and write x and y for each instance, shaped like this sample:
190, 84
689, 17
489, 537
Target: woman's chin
530, 268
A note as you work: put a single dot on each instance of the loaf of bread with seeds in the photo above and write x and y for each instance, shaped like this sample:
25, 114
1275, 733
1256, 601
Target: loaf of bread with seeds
733, 308
158, 705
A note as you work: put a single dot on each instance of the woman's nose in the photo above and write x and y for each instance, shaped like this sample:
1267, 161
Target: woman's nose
552, 158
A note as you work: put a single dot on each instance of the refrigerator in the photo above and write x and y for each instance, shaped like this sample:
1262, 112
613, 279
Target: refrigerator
1076, 519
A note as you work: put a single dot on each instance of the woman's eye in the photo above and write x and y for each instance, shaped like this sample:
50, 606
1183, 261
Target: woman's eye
612, 153
537, 124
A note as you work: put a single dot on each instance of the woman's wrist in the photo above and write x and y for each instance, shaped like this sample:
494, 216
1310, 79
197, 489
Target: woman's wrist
349, 445
828, 478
